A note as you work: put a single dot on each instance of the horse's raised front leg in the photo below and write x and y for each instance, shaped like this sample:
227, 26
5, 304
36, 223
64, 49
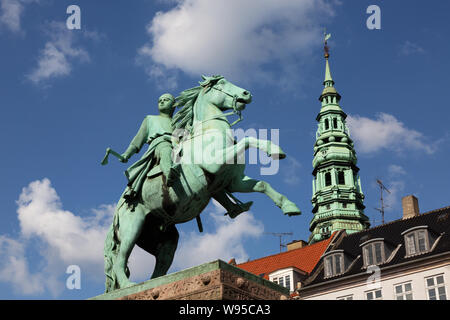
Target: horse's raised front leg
236, 153
246, 184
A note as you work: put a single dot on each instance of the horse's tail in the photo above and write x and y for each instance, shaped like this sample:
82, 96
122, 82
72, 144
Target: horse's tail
110, 255
111, 249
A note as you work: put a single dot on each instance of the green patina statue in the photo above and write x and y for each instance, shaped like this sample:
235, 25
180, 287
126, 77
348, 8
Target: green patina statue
162, 192
157, 132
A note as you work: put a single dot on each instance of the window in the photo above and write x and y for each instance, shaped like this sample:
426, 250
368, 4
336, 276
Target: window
344, 205
350, 297
436, 288
327, 179
335, 123
341, 177
284, 281
416, 241
403, 291
373, 253
288, 282
334, 265
374, 295
327, 124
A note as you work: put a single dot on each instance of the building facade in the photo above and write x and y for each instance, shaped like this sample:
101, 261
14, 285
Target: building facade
406, 259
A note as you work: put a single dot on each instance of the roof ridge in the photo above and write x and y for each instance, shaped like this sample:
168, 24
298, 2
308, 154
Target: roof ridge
401, 219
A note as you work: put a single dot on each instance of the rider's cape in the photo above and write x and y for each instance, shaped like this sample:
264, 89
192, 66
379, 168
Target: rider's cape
154, 131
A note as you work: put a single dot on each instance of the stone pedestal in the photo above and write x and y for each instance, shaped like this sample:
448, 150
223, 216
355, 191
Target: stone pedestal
215, 280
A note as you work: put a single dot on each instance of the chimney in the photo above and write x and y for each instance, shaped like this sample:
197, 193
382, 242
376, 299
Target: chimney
410, 206
296, 244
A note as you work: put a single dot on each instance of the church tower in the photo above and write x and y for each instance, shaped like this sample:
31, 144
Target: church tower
337, 195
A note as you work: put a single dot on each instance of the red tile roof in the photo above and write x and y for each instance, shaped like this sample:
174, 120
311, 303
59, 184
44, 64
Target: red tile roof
304, 259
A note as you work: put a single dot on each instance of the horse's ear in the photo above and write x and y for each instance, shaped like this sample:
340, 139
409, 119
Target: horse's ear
204, 77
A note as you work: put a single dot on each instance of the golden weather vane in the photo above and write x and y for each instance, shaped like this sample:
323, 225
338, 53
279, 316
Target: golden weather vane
326, 48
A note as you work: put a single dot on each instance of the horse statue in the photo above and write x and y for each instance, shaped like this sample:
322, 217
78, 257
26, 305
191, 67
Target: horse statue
208, 155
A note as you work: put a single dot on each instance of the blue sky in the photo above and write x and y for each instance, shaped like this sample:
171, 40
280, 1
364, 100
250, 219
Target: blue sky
66, 95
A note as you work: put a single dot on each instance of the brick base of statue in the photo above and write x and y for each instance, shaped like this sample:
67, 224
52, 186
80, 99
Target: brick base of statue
215, 280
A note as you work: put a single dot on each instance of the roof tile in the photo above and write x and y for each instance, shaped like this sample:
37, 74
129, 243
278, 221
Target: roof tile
304, 259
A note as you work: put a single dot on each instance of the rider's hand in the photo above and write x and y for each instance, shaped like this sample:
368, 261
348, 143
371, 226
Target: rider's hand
125, 158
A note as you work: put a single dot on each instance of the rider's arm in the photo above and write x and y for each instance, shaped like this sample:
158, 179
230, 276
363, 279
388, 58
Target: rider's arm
138, 141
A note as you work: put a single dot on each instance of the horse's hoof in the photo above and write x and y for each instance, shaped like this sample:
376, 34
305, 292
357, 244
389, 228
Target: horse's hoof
128, 284
296, 213
276, 153
291, 209
277, 156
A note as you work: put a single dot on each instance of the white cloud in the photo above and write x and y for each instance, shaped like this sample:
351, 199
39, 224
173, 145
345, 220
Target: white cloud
235, 38
396, 170
11, 12
75, 239
14, 268
396, 189
58, 55
385, 132
409, 48
63, 238
289, 170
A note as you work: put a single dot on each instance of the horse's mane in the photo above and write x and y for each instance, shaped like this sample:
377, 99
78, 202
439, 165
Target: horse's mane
183, 119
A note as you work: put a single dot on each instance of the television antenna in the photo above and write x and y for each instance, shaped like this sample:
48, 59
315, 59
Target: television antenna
383, 206
280, 235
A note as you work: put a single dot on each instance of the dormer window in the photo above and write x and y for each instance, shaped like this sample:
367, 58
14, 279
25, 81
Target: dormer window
373, 252
334, 263
416, 240
288, 277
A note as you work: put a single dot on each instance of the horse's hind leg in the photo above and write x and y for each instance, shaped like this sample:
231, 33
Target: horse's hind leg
131, 223
165, 251
161, 244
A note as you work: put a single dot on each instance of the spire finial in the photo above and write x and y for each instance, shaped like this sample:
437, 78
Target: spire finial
326, 48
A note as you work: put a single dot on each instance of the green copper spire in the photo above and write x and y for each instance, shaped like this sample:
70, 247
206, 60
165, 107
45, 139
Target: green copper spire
328, 79
337, 195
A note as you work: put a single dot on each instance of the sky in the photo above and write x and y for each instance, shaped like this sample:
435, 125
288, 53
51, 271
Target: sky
68, 94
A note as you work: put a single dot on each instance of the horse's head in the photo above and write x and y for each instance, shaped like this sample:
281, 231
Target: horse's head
224, 94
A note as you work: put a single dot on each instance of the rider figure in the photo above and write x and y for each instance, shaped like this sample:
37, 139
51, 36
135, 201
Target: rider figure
155, 130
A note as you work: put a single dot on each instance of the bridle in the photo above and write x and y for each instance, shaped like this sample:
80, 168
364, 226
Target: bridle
233, 104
